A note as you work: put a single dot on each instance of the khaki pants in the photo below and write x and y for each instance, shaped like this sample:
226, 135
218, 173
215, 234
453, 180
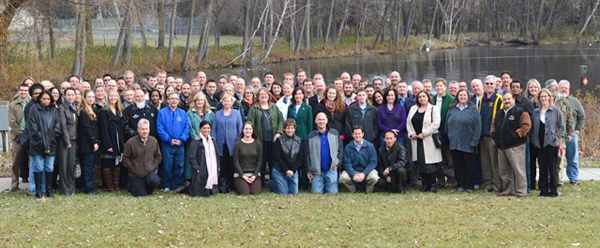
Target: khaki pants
511, 163
18, 154
371, 180
489, 165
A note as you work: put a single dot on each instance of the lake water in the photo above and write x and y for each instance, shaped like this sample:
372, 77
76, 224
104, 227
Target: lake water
524, 62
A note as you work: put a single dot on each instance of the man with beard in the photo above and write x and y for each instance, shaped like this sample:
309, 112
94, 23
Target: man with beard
212, 98
132, 115
348, 95
378, 83
572, 152
184, 95
202, 79
561, 102
129, 77
320, 91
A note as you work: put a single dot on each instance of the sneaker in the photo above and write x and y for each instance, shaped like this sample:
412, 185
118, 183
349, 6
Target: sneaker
166, 190
574, 183
460, 189
560, 185
469, 191
477, 186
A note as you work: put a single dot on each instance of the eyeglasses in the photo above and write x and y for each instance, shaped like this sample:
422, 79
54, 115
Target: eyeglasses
490, 83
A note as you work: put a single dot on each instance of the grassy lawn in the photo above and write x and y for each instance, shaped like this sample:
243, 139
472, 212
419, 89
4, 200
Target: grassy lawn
380, 219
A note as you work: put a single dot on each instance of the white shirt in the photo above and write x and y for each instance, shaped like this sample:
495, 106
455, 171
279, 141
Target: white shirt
283, 107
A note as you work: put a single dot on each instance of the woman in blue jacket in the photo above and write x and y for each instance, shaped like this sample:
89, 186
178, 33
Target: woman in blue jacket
227, 126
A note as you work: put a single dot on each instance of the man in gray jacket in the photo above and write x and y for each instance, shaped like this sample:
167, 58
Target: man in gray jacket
324, 155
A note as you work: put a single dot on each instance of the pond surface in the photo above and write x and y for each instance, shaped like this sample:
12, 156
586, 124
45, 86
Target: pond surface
524, 62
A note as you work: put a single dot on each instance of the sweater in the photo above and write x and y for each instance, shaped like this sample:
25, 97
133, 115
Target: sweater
247, 157
392, 119
141, 158
463, 128
227, 129
578, 112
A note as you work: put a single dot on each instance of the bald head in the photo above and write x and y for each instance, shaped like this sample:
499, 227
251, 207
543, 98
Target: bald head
139, 96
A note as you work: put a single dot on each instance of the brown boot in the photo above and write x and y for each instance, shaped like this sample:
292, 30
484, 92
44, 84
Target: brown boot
116, 177
108, 180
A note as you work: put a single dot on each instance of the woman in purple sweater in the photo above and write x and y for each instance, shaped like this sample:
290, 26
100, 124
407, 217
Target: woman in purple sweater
392, 116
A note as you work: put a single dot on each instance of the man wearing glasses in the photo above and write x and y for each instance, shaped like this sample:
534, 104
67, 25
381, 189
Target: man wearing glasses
489, 105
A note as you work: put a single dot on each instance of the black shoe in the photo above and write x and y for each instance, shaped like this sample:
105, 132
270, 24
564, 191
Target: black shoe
25, 180
560, 185
425, 188
14, 189
49, 185
432, 190
37, 176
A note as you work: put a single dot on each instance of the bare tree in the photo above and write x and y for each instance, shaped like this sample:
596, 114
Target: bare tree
79, 57
329, 22
6, 18
202, 52
161, 23
307, 29
285, 6
247, 27
171, 34
189, 35
539, 22
589, 18
381, 27
342, 24
89, 35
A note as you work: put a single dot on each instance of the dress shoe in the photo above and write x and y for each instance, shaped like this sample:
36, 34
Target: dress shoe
25, 180
402, 192
14, 189
521, 196
575, 183
432, 190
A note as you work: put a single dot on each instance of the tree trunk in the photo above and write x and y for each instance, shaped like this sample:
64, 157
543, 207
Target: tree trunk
307, 28
51, 38
536, 33
433, 21
281, 18
203, 43
246, 40
381, 27
189, 35
329, 23
410, 22
420, 19
171, 34
38, 36
6, 17
342, 24
128, 43
319, 23
89, 35
293, 26
142, 29
297, 49
161, 23
79, 39
588, 19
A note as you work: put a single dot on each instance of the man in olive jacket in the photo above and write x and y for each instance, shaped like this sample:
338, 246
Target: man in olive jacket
509, 132
16, 121
141, 157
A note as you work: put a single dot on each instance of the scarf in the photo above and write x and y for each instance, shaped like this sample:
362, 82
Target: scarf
248, 101
330, 106
211, 162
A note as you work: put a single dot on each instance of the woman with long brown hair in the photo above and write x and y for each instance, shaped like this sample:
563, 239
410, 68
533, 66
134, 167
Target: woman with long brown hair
334, 108
111, 129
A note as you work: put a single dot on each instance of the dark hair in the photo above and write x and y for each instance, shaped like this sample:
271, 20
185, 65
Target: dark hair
204, 123
374, 103
152, 91
152, 75
508, 92
506, 72
35, 86
387, 92
423, 91
73, 75
370, 86
389, 131
23, 85
59, 93
270, 73
294, 95
254, 135
516, 82
46, 93
120, 78
210, 81
289, 122
70, 88
355, 127
107, 75
455, 102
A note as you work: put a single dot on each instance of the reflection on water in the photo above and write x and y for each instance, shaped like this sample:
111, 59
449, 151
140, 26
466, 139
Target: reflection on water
524, 62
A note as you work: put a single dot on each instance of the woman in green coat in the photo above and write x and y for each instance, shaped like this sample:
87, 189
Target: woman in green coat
199, 111
302, 113
268, 122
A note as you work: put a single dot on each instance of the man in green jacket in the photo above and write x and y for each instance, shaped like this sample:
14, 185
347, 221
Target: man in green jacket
441, 101
16, 121
572, 153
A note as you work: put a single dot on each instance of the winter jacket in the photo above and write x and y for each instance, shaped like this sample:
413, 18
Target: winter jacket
111, 132
313, 150
363, 161
68, 122
288, 152
369, 122
88, 132
132, 115
141, 158
15, 115
304, 119
172, 125
199, 168
510, 129
43, 127
255, 117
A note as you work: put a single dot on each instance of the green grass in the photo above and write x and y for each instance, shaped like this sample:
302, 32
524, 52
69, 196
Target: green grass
417, 219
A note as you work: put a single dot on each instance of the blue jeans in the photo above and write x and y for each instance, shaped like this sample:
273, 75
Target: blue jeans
32, 181
41, 163
325, 183
87, 164
173, 157
281, 184
572, 155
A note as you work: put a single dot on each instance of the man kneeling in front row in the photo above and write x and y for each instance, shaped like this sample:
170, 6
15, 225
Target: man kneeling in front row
360, 160
141, 157
391, 159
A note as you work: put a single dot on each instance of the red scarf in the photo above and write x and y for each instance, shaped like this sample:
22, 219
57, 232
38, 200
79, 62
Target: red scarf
248, 101
330, 106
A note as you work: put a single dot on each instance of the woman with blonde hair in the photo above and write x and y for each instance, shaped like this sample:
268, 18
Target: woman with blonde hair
226, 128
112, 140
89, 140
533, 88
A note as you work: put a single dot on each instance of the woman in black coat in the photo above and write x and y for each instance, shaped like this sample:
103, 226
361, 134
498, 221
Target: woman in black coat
334, 108
204, 159
89, 141
43, 126
111, 124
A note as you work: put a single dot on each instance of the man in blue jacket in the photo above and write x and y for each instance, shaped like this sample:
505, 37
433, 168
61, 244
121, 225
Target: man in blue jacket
173, 130
360, 160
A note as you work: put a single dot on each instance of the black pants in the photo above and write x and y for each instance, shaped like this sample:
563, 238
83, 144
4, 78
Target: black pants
143, 186
428, 179
24, 165
533, 153
227, 169
464, 168
398, 178
267, 157
548, 159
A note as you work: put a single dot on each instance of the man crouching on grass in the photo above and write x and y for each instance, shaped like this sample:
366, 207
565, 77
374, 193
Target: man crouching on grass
141, 157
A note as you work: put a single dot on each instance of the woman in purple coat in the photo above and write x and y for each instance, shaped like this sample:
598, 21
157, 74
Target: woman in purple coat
392, 116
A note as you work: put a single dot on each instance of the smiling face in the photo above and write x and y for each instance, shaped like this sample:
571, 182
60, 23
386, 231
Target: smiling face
113, 96
70, 96
331, 94
205, 130
247, 131
227, 103
391, 97
378, 98
263, 96
463, 97
90, 98
290, 130
545, 99
423, 99
299, 97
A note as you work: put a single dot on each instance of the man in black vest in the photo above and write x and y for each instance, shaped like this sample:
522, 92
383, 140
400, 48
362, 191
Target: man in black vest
509, 133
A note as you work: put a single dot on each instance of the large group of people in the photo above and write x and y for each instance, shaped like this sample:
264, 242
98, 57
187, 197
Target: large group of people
206, 137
